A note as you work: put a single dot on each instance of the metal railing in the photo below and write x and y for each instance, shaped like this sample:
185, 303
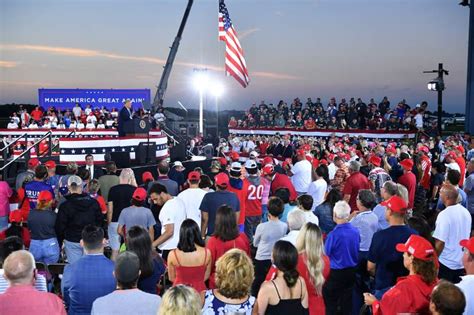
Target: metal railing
67, 136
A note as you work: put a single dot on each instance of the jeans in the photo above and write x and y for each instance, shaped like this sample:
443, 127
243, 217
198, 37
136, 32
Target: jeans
46, 251
73, 250
3, 222
264, 213
250, 226
114, 237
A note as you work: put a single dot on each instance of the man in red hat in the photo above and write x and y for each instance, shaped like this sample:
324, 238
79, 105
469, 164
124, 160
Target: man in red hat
425, 180
383, 260
192, 197
377, 175
467, 282
53, 178
341, 175
278, 180
459, 159
451, 163
354, 183
408, 179
301, 173
453, 224
30, 172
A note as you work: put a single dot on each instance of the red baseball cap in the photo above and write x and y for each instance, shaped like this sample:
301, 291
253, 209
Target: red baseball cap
324, 162
469, 244
147, 176
268, 160
391, 149
451, 154
424, 149
222, 179
331, 156
234, 156
396, 204
194, 175
417, 246
223, 161
300, 152
139, 194
45, 196
306, 147
33, 162
15, 216
315, 162
407, 164
460, 148
286, 162
268, 169
375, 160
50, 164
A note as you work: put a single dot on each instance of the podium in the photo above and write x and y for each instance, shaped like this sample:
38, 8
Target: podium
136, 127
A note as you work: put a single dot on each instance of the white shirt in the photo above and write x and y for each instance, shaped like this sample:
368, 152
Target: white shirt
192, 198
248, 146
90, 125
100, 126
332, 168
452, 225
467, 287
311, 217
317, 190
91, 171
12, 125
173, 212
88, 110
301, 175
291, 237
80, 126
419, 120
77, 111
453, 166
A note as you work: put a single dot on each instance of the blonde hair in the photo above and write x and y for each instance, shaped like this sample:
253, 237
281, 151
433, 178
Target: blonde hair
310, 242
403, 193
234, 274
180, 300
127, 176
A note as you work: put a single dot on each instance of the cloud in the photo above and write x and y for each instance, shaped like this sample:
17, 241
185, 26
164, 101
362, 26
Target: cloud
279, 13
246, 33
88, 53
8, 64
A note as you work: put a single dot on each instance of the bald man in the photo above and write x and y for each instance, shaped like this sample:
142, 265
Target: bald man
452, 225
21, 297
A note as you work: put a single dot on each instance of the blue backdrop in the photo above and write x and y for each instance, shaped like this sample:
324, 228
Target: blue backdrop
67, 98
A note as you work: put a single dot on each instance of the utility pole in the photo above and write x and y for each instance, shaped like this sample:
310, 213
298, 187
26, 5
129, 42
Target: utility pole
437, 84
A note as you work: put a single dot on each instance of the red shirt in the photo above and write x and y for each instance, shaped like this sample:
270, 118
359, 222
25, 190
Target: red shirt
426, 172
25, 299
36, 114
25, 236
354, 183
462, 165
283, 181
242, 195
411, 295
263, 146
253, 204
409, 181
316, 302
218, 248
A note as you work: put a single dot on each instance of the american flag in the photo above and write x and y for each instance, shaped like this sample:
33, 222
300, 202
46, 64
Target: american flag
234, 55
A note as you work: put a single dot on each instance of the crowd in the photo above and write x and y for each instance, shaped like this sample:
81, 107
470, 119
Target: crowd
79, 117
354, 115
276, 225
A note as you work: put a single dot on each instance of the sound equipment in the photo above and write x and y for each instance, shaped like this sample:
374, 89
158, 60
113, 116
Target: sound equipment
146, 153
121, 159
178, 152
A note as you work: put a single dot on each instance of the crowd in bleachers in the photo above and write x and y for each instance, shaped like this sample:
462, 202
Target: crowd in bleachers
79, 117
276, 225
352, 115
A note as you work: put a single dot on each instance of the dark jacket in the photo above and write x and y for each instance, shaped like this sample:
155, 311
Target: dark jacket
74, 214
124, 115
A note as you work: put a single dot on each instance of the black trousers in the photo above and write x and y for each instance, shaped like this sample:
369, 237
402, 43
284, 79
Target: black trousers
261, 270
453, 276
337, 291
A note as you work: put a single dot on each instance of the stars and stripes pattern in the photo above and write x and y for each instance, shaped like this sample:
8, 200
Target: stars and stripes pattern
234, 55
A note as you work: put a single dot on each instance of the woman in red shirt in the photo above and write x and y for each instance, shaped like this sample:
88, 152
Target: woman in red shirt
411, 294
226, 236
190, 263
313, 265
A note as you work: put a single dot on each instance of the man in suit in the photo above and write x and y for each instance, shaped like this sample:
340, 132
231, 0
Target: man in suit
95, 172
91, 276
125, 114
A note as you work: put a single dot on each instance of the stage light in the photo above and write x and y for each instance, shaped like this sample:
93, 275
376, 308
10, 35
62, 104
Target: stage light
201, 81
436, 85
217, 89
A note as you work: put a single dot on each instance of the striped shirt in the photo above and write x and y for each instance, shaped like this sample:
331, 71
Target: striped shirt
40, 283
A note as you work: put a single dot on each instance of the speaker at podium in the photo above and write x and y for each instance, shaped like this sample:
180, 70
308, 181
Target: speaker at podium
137, 127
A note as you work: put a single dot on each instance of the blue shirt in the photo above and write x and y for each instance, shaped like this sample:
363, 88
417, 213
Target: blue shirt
148, 284
86, 280
388, 261
213, 200
342, 246
367, 223
324, 214
379, 211
33, 189
469, 187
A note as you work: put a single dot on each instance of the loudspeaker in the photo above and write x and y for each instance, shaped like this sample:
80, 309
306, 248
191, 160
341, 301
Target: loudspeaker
146, 153
178, 152
121, 159
208, 151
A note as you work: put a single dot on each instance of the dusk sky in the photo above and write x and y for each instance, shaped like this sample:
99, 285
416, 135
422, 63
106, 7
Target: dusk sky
293, 48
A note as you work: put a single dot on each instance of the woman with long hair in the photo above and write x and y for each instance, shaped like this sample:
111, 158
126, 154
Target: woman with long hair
41, 222
151, 265
190, 263
287, 293
234, 277
411, 295
226, 236
313, 265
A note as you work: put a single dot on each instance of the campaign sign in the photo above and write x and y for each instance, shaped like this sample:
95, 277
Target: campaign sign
68, 98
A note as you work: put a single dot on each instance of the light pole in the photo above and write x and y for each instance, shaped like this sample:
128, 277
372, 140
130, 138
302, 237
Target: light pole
437, 84
217, 89
201, 82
